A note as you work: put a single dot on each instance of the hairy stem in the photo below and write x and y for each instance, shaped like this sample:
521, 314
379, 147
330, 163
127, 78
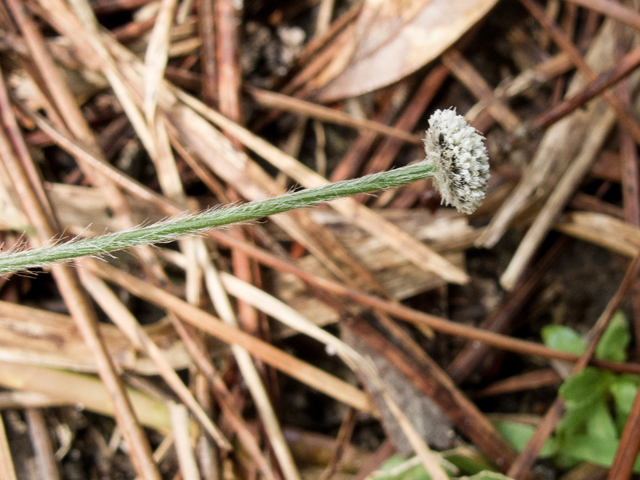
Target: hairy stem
172, 229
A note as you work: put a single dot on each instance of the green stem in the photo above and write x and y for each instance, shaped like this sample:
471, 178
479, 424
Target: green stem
175, 228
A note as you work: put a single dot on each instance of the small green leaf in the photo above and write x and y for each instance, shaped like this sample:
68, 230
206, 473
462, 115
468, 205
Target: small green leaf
468, 460
489, 476
574, 421
624, 393
582, 388
519, 434
601, 423
563, 338
397, 468
629, 377
591, 449
615, 339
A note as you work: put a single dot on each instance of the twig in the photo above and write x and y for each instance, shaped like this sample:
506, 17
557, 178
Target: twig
180, 425
413, 316
612, 9
207, 51
41, 442
291, 104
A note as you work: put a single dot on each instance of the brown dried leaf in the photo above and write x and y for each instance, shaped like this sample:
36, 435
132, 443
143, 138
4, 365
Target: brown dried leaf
392, 39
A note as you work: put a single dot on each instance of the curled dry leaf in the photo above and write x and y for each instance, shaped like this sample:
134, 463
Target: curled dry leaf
392, 39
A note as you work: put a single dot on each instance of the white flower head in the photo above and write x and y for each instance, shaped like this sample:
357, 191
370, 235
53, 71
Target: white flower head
462, 166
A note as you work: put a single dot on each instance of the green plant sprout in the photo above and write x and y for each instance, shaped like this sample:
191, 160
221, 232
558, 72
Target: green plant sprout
597, 402
455, 156
454, 464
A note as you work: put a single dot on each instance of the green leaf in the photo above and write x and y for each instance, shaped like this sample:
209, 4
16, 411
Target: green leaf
582, 388
628, 377
489, 476
615, 339
519, 434
574, 421
468, 460
397, 468
591, 449
624, 393
601, 423
563, 338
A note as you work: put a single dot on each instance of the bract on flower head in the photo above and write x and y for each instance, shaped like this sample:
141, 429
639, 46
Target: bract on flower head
462, 166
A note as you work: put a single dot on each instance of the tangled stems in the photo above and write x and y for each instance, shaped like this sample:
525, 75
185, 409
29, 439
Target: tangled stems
175, 228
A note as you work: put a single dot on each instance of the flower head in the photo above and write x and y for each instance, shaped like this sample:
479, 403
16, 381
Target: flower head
462, 166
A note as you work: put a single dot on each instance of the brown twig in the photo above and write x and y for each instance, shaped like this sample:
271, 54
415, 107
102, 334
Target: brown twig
612, 9
414, 316
291, 104
627, 452
41, 443
269, 354
499, 321
568, 47
468, 75
595, 87
426, 376
206, 26
526, 381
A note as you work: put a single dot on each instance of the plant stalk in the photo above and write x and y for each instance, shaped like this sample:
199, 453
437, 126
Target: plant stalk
175, 228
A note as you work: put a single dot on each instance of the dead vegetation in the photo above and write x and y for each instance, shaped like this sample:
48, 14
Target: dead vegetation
192, 360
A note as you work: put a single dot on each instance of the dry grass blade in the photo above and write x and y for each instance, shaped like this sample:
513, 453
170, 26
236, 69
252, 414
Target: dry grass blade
608, 232
121, 316
58, 342
560, 143
230, 409
6, 463
78, 303
81, 389
298, 369
41, 443
465, 72
288, 316
612, 9
428, 459
245, 363
558, 199
182, 440
283, 102
156, 58
285, 314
